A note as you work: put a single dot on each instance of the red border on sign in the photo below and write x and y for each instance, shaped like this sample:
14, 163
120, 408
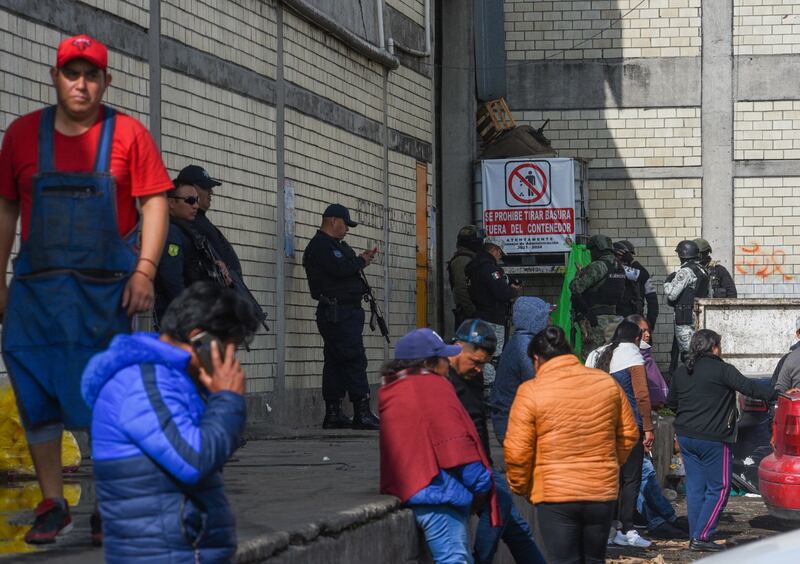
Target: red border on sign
524, 180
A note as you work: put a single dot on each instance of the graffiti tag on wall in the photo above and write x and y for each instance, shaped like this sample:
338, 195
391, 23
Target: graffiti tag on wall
762, 263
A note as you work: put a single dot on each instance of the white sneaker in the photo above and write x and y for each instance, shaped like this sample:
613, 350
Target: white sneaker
631, 538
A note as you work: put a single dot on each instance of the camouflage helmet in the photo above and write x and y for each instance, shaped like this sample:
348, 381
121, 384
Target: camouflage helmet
703, 245
687, 249
600, 243
470, 235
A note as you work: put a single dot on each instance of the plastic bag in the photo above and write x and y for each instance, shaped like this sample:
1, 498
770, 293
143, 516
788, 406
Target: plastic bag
14, 456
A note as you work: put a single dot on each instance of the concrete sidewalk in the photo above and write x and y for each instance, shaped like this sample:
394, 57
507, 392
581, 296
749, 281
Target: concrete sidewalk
295, 495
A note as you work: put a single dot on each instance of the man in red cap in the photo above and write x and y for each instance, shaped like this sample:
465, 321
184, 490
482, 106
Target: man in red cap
73, 173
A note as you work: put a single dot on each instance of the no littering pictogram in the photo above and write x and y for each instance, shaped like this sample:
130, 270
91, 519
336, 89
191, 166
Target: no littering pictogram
527, 183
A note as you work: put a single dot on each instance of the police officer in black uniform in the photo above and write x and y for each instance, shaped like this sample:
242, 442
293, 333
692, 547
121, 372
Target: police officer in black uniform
334, 274
639, 289
198, 177
493, 295
181, 262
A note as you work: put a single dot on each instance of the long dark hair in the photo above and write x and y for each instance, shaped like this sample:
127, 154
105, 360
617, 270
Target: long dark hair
549, 343
627, 332
702, 343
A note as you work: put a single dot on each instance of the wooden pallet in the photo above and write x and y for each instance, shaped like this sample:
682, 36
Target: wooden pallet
494, 118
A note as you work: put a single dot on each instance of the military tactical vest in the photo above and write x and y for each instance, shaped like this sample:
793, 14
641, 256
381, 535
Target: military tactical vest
450, 265
611, 290
684, 305
716, 281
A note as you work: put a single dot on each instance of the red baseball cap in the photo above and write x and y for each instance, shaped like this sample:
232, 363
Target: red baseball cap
82, 47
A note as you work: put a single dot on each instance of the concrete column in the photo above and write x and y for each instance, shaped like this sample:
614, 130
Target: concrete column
717, 128
154, 61
279, 323
457, 146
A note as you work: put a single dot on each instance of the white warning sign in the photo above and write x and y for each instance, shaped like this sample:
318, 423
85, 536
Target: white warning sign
530, 204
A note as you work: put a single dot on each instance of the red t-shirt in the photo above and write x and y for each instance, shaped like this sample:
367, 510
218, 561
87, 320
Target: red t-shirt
135, 163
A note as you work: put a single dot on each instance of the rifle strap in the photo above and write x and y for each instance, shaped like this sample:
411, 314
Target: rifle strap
199, 240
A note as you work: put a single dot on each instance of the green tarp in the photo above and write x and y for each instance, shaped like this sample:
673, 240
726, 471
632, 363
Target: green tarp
579, 257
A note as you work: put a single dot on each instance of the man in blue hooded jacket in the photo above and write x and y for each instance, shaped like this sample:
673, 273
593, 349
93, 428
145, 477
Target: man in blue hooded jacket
530, 315
163, 428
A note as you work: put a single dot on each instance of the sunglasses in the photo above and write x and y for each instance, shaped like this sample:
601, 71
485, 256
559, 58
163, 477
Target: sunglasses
191, 200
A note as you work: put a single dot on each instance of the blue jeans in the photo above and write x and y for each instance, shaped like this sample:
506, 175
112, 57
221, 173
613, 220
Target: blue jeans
446, 532
514, 531
708, 483
651, 504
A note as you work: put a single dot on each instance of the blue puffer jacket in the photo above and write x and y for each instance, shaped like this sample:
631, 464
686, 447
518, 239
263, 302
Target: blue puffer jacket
158, 448
530, 316
455, 486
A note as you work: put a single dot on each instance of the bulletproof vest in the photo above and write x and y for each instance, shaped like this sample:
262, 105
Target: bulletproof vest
609, 291
684, 305
450, 265
715, 280
633, 298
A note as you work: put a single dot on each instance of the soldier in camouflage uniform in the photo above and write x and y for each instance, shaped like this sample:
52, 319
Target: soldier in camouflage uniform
597, 292
468, 243
722, 284
681, 288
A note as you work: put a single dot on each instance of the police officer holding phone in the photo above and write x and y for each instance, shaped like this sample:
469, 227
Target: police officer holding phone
334, 279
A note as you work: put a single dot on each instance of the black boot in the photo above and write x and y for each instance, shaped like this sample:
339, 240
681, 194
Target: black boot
335, 417
363, 418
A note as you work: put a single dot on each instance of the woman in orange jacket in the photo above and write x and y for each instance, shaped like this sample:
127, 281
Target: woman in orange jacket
569, 431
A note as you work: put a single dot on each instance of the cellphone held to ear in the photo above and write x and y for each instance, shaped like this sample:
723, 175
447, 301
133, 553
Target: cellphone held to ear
201, 343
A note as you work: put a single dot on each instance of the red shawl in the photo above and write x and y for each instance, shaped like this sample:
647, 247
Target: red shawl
424, 428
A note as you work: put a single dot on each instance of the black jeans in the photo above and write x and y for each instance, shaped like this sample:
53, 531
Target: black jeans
345, 368
630, 480
575, 532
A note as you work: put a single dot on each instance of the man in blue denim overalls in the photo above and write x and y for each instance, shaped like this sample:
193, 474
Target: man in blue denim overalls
72, 173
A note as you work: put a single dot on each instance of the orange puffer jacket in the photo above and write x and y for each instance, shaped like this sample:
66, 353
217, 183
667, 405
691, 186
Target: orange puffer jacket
569, 430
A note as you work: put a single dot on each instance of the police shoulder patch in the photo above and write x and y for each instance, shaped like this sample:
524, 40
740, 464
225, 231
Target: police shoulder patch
173, 250
337, 253
496, 275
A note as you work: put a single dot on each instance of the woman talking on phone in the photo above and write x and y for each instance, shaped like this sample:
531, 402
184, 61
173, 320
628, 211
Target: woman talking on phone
703, 395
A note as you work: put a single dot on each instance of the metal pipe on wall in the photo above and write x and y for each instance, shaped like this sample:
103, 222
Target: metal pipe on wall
379, 54
381, 31
409, 50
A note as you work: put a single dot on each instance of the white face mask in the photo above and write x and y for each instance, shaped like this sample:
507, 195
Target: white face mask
644, 346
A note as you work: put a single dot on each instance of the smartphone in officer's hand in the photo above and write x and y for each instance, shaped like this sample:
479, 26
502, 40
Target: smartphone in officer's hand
201, 343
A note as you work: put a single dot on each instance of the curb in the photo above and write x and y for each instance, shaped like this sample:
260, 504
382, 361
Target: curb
271, 544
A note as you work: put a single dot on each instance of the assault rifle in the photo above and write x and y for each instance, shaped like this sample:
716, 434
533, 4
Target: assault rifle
209, 258
244, 291
375, 312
